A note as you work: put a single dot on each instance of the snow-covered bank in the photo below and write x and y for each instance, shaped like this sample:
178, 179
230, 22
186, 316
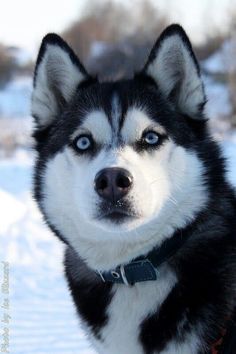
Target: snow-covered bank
15, 98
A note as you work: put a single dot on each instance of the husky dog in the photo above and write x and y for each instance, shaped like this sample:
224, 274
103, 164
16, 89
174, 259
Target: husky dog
129, 178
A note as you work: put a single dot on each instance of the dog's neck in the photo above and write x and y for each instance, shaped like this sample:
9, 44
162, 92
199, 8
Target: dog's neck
104, 255
146, 268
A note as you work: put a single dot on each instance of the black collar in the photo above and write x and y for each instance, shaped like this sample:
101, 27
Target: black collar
146, 267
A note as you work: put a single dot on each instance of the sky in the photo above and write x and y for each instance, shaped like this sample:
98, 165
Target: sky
24, 22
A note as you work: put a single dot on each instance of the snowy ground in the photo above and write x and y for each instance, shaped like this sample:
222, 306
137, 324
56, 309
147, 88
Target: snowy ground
15, 98
42, 316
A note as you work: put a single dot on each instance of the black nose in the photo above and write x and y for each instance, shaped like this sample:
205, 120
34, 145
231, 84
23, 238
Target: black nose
113, 183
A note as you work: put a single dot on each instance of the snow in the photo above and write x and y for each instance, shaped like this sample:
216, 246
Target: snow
216, 63
9, 202
15, 98
222, 61
218, 99
21, 55
229, 148
97, 49
43, 318
219, 65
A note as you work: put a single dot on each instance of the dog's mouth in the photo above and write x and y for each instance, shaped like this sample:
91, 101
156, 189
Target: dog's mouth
116, 213
117, 216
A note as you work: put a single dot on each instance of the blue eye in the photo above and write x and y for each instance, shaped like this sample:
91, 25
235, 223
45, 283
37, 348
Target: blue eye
151, 138
83, 142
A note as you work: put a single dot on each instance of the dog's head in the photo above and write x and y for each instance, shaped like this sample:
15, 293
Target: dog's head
118, 161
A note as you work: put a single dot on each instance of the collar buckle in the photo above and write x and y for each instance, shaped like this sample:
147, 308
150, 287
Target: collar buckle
123, 275
101, 276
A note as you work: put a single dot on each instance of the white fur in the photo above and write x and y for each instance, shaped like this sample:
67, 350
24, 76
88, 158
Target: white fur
95, 122
56, 70
172, 64
136, 121
168, 192
129, 307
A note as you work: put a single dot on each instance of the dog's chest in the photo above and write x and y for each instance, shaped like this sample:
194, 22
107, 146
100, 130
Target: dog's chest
130, 305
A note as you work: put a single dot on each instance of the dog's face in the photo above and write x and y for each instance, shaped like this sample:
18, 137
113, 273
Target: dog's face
118, 161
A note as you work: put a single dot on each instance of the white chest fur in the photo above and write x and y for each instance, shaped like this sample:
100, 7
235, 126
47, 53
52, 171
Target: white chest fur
129, 307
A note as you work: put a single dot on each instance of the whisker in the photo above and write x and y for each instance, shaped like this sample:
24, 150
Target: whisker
158, 180
173, 200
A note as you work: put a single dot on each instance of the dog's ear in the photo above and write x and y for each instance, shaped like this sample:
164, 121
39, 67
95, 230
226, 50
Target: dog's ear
173, 66
58, 73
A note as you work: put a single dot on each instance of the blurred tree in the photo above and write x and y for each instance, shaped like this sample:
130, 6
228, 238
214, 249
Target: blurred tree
211, 44
7, 65
111, 40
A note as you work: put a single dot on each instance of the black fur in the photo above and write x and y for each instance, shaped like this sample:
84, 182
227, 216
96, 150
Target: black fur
91, 296
54, 39
205, 292
168, 32
206, 265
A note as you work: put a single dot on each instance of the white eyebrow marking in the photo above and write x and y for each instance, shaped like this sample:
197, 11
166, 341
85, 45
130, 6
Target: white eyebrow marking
136, 121
97, 124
